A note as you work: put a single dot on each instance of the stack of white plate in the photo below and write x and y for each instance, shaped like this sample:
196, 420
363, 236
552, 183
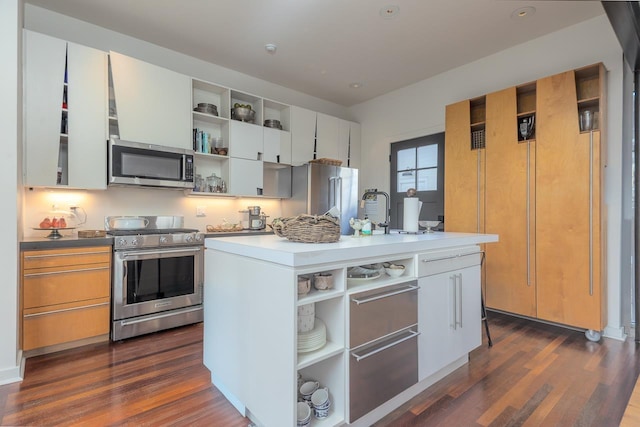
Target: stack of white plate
313, 339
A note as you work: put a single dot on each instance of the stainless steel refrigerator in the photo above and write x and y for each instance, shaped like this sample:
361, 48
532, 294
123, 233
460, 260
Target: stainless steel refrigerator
317, 188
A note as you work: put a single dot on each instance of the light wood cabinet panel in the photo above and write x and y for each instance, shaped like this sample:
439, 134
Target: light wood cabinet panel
463, 173
47, 329
65, 295
59, 286
510, 266
542, 196
562, 208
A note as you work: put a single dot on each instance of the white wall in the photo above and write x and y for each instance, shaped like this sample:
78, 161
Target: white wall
11, 124
419, 109
139, 201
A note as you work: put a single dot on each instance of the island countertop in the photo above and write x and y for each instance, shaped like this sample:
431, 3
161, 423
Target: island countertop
278, 250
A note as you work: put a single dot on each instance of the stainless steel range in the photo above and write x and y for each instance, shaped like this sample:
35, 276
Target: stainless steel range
157, 274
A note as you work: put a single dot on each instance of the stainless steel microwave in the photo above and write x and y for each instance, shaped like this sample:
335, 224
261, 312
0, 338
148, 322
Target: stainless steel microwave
135, 163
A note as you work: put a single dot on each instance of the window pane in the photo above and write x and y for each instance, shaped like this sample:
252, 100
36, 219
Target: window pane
406, 180
428, 156
406, 159
427, 179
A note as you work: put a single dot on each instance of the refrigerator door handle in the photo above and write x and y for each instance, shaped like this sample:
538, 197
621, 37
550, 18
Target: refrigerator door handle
339, 187
333, 183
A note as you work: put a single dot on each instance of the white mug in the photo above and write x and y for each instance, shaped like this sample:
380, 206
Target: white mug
308, 388
320, 397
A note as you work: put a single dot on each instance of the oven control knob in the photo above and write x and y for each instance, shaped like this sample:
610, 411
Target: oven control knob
134, 242
122, 242
198, 237
163, 239
189, 238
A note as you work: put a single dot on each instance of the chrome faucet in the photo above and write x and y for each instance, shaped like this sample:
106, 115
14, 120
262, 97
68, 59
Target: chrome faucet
387, 221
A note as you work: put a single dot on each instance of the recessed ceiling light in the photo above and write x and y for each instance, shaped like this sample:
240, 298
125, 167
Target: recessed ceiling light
389, 12
523, 12
270, 48
355, 85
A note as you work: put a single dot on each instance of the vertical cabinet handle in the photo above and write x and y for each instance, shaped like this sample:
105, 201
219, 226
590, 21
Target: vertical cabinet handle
528, 215
459, 297
453, 315
478, 193
591, 213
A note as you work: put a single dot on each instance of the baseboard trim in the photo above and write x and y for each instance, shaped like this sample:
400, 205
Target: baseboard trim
11, 375
615, 333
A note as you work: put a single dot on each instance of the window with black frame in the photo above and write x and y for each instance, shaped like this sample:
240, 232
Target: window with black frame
418, 163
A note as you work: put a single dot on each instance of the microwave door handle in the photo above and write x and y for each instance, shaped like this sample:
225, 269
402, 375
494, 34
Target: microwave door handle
184, 167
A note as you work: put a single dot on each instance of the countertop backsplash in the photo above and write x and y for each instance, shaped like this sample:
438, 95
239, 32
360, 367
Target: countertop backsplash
41, 203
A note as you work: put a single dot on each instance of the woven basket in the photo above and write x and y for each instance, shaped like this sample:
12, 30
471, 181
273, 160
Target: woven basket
325, 161
308, 228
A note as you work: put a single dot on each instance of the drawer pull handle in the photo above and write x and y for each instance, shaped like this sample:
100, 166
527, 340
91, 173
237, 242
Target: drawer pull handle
46, 313
412, 334
452, 257
79, 270
385, 295
69, 254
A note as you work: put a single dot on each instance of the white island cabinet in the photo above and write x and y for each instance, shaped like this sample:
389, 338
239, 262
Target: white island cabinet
251, 307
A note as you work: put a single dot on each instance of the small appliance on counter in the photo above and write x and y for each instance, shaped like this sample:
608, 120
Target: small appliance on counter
257, 219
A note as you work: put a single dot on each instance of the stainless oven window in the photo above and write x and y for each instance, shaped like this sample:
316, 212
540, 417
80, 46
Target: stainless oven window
159, 278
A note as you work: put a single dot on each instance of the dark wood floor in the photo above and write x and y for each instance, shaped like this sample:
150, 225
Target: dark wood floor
535, 374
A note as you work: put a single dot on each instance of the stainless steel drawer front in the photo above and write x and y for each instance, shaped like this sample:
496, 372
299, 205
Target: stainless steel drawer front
382, 370
378, 313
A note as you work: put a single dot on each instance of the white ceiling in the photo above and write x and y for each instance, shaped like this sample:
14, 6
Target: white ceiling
324, 45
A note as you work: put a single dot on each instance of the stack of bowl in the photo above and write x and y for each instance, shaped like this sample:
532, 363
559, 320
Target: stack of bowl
273, 123
207, 108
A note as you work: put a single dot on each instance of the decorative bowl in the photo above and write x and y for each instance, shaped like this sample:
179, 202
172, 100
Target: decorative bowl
243, 114
429, 225
395, 270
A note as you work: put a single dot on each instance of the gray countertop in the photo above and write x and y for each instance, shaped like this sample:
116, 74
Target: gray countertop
73, 241
34, 243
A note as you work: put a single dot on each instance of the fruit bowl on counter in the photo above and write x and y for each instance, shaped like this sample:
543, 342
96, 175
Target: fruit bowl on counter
54, 224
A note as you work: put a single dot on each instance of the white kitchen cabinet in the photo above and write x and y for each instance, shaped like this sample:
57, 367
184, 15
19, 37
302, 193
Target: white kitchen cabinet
65, 121
449, 308
303, 135
328, 137
251, 284
153, 104
245, 177
246, 140
277, 146
354, 145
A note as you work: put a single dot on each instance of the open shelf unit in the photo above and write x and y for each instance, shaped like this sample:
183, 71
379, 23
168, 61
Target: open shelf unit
526, 102
478, 112
588, 90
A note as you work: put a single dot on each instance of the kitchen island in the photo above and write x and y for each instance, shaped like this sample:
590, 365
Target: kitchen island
387, 338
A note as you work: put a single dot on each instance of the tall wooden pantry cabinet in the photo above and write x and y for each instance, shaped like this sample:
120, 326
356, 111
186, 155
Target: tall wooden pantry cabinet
540, 189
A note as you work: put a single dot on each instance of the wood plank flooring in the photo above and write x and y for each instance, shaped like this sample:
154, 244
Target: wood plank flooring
534, 375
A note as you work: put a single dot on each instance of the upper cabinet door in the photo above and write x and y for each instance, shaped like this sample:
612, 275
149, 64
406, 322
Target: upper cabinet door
327, 137
44, 61
65, 114
87, 101
153, 104
246, 140
344, 131
354, 145
277, 146
303, 135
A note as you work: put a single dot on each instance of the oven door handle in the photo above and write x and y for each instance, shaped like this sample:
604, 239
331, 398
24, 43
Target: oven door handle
161, 252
